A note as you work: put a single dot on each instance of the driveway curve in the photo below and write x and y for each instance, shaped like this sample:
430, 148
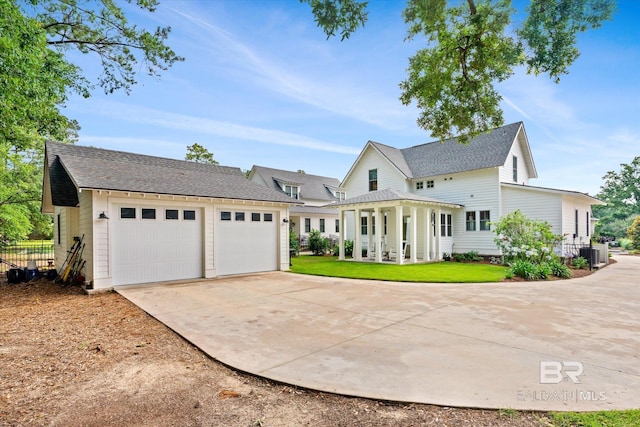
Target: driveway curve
563, 345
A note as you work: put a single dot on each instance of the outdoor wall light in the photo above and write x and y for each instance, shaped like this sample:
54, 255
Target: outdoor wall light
285, 220
103, 216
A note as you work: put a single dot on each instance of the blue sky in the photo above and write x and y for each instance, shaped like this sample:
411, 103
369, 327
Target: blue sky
262, 85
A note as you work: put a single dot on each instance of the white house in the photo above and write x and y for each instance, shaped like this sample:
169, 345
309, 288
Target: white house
312, 191
148, 219
433, 198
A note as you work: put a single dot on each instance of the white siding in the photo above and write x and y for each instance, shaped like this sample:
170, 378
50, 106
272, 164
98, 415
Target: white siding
388, 175
506, 171
86, 220
569, 207
537, 205
477, 191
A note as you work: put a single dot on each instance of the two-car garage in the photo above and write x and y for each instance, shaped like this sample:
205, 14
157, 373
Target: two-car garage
153, 243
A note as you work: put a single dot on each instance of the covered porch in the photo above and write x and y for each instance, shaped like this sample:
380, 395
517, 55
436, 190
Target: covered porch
390, 225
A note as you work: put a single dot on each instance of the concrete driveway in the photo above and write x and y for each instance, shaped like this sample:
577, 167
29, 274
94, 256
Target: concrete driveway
563, 345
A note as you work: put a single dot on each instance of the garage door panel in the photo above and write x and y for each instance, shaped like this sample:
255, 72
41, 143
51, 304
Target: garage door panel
147, 250
246, 246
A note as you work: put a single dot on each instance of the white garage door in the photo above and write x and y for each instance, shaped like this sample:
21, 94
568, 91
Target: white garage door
153, 244
245, 242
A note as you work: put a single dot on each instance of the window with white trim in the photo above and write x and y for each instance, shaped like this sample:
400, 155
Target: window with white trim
515, 169
291, 191
307, 225
430, 184
471, 221
485, 219
419, 185
373, 179
322, 225
337, 225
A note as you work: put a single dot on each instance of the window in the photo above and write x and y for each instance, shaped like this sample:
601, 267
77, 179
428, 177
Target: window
148, 213
255, 216
267, 217
341, 195
60, 231
363, 225
446, 225
485, 218
576, 227
225, 216
189, 215
419, 185
239, 216
127, 213
322, 225
291, 190
373, 179
171, 214
471, 221
587, 223
430, 184
307, 225
337, 225
515, 169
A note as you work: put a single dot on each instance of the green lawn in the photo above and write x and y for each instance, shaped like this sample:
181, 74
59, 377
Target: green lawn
440, 272
630, 418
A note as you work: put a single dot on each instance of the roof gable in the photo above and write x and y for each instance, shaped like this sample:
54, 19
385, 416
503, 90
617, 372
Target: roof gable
100, 169
484, 151
311, 187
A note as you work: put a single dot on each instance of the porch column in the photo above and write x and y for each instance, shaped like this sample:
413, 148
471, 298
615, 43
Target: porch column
357, 246
399, 257
427, 235
437, 233
341, 232
379, 231
369, 234
413, 241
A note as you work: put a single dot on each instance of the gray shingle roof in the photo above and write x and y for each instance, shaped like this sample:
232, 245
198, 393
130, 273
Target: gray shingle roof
312, 187
100, 169
390, 195
435, 158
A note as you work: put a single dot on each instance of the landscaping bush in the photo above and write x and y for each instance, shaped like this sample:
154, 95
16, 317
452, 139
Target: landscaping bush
558, 269
625, 244
467, 256
541, 271
348, 249
523, 268
633, 233
294, 242
580, 262
318, 244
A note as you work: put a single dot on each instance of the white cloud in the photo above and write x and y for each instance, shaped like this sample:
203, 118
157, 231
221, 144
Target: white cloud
331, 90
148, 116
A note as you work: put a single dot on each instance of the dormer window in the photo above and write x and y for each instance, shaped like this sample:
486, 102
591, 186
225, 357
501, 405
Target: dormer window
340, 195
291, 191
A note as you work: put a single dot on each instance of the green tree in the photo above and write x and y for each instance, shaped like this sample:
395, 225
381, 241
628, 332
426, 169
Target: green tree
36, 79
470, 46
633, 233
197, 153
621, 192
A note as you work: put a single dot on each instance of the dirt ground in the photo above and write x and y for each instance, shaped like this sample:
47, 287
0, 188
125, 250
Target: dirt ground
70, 359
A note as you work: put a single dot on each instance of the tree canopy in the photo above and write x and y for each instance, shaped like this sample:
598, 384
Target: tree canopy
471, 45
36, 78
197, 153
621, 192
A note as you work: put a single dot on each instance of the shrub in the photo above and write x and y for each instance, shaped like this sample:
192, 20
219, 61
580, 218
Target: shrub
541, 271
318, 244
294, 243
521, 238
348, 248
523, 268
633, 233
558, 269
580, 262
625, 244
467, 256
